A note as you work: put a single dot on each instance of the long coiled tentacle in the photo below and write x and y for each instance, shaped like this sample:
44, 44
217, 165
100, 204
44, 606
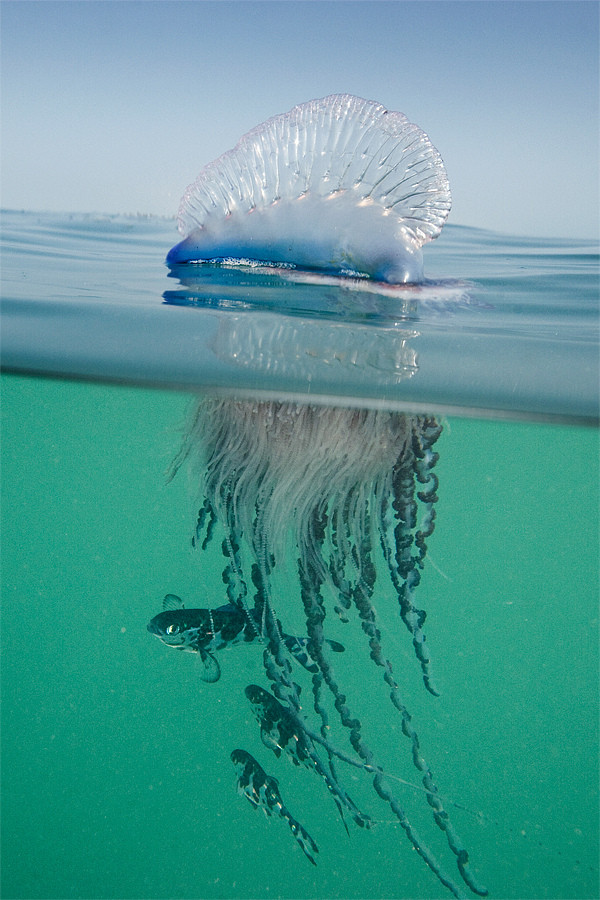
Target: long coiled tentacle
424, 437
362, 599
398, 532
233, 577
315, 615
279, 670
205, 525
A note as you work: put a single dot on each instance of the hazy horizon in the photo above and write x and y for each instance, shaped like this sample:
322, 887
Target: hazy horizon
115, 107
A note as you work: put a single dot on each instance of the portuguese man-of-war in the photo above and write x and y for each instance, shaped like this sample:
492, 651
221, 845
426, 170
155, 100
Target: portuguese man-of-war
340, 187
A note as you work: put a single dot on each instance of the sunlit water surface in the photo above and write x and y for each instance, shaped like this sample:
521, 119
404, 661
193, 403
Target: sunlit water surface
117, 781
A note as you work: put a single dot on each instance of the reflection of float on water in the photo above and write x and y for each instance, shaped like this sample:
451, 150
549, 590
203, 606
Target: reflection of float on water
307, 349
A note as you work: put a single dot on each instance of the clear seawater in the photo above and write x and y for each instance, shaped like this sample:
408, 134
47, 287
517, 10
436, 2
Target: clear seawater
116, 778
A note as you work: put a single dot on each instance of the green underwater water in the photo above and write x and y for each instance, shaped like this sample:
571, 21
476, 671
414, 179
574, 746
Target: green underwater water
116, 778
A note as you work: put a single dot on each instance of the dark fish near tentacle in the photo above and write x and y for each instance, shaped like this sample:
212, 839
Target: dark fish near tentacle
279, 731
205, 631
262, 791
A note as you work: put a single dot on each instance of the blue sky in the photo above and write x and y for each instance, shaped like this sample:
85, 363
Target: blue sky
116, 106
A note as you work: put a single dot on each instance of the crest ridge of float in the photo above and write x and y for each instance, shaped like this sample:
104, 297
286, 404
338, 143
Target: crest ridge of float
339, 183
